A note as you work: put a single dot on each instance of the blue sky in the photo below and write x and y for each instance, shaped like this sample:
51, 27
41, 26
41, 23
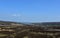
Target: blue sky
30, 10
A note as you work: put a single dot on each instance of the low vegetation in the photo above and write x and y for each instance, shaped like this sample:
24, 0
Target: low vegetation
33, 30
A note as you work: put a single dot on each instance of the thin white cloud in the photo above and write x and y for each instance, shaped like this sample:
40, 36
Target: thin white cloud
16, 15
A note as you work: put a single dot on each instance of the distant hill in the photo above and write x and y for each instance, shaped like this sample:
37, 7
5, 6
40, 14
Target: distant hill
38, 24
8, 23
47, 23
